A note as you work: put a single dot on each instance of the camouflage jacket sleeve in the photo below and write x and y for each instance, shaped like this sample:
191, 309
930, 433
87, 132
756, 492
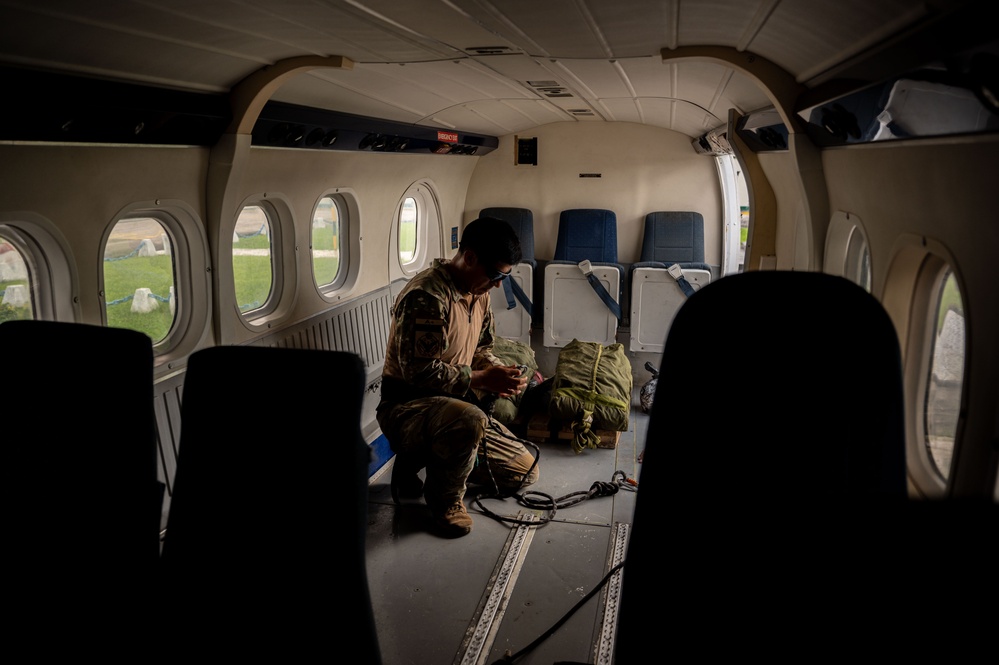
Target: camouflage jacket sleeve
421, 338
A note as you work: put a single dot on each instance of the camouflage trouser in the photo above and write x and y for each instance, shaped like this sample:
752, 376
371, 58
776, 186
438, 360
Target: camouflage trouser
453, 440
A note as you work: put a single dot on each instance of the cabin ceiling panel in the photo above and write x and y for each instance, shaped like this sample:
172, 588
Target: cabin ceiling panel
634, 28
596, 79
497, 119
450, 30
678, 115
309, 27
721, 23
807, 43
572, 29
623, 110
649, 76
52, 41
408, 93
541, 28
715, 87
494, 63
460, 80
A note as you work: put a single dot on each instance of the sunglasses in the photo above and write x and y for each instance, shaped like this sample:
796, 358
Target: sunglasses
496, 276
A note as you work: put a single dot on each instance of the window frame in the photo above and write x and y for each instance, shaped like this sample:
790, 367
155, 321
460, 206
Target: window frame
840, 257
55, 284
169, 228
910, 297
931, 281
343, 243
284, 264
28, 251
427, 213
192, 288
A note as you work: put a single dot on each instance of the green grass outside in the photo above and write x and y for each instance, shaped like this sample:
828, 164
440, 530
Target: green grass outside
259, 241
253, 279
407, 241
7, 311
325, 238
121, 278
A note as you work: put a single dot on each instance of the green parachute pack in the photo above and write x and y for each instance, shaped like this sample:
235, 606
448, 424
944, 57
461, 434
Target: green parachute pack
591, 390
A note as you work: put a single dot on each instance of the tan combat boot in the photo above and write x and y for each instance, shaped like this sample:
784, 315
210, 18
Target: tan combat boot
455, 521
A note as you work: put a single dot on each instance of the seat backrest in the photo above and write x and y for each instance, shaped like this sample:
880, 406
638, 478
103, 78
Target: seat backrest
673, 237
587, 233
270, 498
818, 380
670, 237
760, 487
522, 221
81, 499
515, 322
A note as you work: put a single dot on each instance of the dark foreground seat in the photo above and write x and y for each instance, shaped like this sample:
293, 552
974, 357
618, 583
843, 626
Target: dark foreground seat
774, 518
81, 500
264, 548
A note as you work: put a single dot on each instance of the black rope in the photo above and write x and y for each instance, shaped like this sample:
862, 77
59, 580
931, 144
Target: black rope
535, 500
509, 658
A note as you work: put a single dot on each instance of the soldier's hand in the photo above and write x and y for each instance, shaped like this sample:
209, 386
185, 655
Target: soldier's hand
505, 381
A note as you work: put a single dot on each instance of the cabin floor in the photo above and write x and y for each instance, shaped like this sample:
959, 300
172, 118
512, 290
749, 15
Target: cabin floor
439, 601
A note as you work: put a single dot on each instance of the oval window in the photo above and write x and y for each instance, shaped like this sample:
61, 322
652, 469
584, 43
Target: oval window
327, 242
139, 278
252, 266
15, 283
408, 227
942, 402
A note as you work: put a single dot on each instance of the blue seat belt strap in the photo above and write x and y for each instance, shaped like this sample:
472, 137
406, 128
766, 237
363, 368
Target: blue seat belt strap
512, 290
508, 292
681, 281
612, 304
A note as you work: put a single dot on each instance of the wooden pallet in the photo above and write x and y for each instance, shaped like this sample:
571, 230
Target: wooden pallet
542, 428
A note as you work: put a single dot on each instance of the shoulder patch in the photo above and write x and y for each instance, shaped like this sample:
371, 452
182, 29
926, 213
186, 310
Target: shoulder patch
428, 340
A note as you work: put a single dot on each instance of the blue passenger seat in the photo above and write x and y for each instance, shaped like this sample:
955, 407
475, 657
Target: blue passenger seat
265, 542
671, 267
513, 305
581, 305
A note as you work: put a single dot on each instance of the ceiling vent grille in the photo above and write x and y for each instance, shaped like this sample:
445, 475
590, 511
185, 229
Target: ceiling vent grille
550, 88
489, 50
581, 112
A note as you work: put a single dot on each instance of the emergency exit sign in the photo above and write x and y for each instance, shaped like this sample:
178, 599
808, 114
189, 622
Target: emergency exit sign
449, 137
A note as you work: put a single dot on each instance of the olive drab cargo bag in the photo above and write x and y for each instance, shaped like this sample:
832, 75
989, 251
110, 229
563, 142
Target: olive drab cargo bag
591, 390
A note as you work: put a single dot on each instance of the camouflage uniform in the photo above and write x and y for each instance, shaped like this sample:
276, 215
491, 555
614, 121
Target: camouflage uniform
428, 411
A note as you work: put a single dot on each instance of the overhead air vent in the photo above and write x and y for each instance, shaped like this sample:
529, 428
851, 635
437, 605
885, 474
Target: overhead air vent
581, 112
550, 88
489, 50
